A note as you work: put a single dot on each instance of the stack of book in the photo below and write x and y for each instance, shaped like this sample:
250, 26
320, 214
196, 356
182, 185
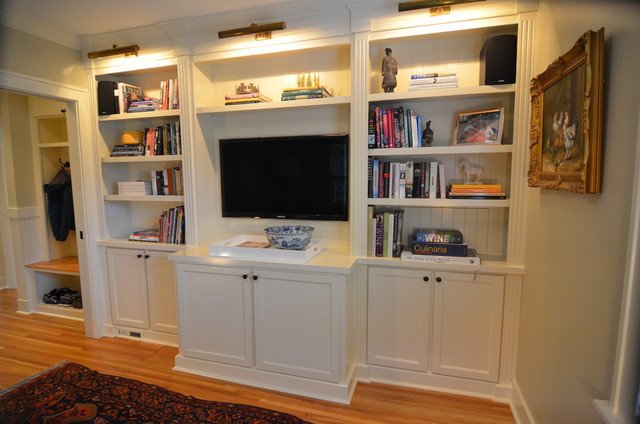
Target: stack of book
433, 80
169, 95
167, 182
163, 140
151, 235
126, 94
440, 246
394, 127
120, 150
302, 93
401, 180
476, 191
244, 99
171, 225
136, 188
385, 233
146, 104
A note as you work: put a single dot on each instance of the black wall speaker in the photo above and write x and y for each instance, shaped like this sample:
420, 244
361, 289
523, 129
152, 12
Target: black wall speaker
107, 100
498, 60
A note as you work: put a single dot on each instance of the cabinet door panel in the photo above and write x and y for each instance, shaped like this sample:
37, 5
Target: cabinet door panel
216, 314
298, 318
468, 325
162, 293
399, 311
128, 288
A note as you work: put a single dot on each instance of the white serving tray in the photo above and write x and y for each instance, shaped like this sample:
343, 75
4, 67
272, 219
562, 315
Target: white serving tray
229, 248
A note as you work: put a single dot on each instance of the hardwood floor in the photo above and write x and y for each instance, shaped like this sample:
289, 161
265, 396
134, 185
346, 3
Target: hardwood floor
31, 343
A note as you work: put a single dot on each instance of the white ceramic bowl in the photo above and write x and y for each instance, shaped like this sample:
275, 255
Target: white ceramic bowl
289, 237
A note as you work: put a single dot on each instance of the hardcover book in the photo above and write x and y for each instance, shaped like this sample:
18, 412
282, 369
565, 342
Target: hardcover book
440, 249
438, 236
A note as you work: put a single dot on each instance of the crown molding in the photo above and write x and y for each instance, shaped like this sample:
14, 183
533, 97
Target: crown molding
38, 28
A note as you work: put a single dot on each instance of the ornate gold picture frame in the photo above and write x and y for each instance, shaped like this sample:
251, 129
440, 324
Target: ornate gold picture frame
566, 119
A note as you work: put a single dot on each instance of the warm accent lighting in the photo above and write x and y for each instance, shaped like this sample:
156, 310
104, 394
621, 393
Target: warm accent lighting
427, 4
262, 31
131, 50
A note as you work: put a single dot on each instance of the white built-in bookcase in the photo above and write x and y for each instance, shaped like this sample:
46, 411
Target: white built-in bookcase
122, 214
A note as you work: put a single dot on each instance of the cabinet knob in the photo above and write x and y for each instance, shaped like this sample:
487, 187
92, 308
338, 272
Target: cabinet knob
438, 279
146, 256
139, 255
245, 276
425, 278
255, 277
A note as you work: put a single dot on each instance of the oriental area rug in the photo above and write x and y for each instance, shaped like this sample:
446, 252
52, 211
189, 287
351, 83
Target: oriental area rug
72, 393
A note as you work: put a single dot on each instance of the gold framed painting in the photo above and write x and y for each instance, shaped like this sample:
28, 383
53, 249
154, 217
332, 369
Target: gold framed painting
479, 127
566, 119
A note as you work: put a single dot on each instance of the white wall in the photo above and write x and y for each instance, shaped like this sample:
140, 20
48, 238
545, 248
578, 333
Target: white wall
576, 244
30, 55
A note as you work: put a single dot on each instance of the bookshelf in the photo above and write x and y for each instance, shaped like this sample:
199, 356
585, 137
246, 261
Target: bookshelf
124, 213
484, 222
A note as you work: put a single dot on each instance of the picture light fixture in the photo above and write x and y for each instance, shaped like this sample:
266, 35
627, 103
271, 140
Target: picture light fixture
262, 31
427, 4
131, 50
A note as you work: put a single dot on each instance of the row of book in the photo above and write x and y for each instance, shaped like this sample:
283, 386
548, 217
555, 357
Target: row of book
247, 98
394, 127
400, 180
302, 93
156, 141
171, 228
385, 232
169, 94
163, 140
167, 182
433, 80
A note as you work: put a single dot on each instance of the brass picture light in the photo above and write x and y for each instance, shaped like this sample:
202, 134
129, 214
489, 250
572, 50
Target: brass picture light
427, 4
131, 50
262, 31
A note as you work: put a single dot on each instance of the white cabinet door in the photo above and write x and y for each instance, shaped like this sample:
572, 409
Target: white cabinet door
161, 283
298, 319
128, 288
216, 313
399, 314
467, 325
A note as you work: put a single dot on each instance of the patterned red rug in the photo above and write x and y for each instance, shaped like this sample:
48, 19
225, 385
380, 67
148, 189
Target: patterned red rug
72, 393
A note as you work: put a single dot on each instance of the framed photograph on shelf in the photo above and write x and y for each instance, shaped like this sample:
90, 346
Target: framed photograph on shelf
479, 127
566, 119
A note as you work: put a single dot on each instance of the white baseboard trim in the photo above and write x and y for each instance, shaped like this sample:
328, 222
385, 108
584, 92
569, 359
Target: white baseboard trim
23, 306
519, 408
606, 413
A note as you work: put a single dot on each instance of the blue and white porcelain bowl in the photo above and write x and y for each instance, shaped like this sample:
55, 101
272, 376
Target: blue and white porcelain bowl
289, 237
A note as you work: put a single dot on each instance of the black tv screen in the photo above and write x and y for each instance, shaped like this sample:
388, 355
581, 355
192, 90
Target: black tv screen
303, 177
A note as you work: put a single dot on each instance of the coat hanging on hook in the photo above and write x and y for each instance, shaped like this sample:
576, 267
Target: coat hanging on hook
60, 204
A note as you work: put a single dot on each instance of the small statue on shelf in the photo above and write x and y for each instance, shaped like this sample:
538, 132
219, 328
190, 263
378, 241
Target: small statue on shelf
389, 72
427, 135
472, 172
247, 89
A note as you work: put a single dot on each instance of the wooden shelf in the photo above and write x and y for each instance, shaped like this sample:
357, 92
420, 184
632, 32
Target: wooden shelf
138, 159
125, 243
140, 115
327, 101
50, 145
441, 203
440, 93
442, 150
62, 311
67, 266
143, 198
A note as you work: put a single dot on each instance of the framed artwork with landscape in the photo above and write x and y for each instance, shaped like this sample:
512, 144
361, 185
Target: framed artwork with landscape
479, 127
566, 119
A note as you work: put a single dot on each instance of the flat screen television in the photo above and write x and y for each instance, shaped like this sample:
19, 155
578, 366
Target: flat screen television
293, 177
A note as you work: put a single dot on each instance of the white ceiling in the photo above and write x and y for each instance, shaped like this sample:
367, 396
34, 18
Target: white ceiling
80, 17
